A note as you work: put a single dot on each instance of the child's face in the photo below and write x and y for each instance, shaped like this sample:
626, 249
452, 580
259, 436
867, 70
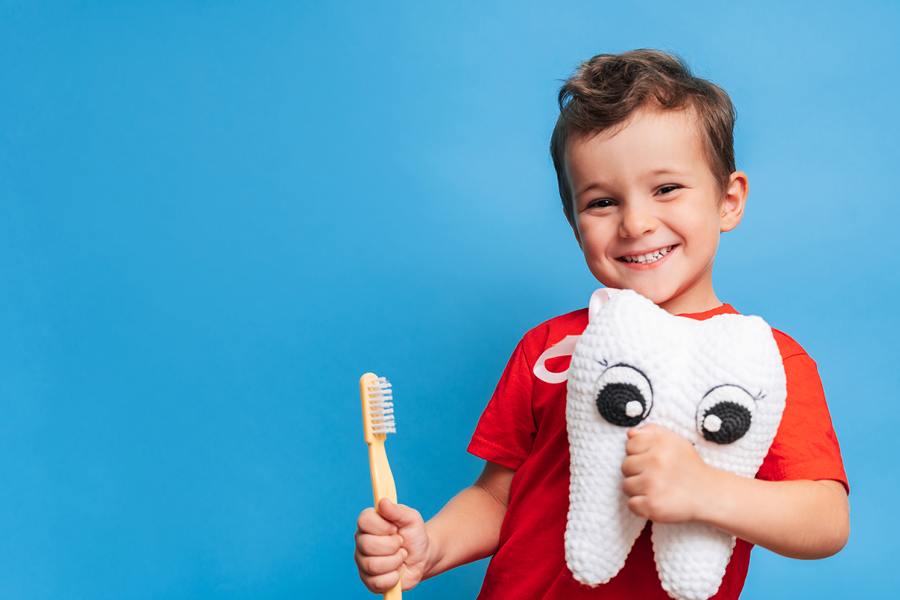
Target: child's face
647, 209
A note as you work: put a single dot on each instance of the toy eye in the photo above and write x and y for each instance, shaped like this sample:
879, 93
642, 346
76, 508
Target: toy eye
624, 396
725, 414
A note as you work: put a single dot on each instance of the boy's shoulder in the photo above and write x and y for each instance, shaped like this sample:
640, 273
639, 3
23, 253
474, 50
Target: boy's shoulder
565, 321
561, 331
557, 328
787, 345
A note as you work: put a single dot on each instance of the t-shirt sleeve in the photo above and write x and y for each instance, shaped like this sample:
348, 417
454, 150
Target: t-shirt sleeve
805, 446
506, 430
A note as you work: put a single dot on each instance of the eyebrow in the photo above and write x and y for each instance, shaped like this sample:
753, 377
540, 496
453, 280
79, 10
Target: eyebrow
590, 187
668, 172
653, 173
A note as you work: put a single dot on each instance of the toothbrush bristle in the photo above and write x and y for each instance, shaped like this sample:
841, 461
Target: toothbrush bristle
381, 406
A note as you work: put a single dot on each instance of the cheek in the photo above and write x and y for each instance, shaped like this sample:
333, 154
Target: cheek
712, 236
594, 246
701, 238
595, 234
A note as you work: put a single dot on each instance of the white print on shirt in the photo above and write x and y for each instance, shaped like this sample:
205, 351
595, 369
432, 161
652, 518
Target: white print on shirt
564, 348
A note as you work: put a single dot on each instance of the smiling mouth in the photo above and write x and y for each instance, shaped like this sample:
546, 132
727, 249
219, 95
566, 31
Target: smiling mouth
647, 258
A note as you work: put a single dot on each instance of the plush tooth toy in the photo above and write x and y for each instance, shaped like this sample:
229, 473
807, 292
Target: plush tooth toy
718, 383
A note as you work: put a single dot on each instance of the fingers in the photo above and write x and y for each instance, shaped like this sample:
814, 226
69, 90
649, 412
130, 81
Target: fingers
380, 573
381, 583
649, 429
398, 514
638, 505
644, 438
632, 466
390, 540
375, 536
379, 554
371, 522
378, 545
378, 565
639, 444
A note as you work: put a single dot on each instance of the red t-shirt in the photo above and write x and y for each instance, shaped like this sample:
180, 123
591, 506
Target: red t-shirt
524, 428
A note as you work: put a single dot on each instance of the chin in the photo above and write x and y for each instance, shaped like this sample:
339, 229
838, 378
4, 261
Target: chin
656, 294
658, 297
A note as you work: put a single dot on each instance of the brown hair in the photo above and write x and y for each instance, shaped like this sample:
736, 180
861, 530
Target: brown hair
607, 89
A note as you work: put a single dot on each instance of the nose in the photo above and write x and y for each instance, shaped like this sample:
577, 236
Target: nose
637, 220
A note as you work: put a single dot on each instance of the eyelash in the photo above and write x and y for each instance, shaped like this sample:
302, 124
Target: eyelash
666, 189
597, 203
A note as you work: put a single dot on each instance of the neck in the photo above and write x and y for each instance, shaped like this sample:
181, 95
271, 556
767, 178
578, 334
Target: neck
698, 297
680, 306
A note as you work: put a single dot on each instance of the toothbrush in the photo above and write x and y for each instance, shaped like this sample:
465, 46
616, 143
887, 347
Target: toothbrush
378, 420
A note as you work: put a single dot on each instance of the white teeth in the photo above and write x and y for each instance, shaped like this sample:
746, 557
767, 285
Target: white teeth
649, 257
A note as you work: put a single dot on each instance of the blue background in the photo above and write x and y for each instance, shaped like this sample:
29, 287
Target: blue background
214, 217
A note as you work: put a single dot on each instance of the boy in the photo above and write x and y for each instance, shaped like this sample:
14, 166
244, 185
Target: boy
644, 158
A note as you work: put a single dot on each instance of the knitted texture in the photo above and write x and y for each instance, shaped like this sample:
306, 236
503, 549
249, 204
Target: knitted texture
719, 383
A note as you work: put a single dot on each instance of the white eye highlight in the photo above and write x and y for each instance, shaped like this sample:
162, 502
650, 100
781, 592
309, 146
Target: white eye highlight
634, 408
725, 414
712, 423
623, 395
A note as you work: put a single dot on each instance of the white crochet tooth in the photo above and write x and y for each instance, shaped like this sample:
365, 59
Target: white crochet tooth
744, 347
718, 383
600, 529
691, 558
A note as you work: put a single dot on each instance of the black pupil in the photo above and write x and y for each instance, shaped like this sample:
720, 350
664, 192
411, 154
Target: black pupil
735, 423
612, 400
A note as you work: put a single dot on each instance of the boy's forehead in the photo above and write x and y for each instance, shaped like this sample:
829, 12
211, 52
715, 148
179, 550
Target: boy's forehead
654, 141
685, 120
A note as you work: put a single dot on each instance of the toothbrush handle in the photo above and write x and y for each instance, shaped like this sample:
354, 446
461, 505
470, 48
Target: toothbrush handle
393, 593
382, 479
383, 487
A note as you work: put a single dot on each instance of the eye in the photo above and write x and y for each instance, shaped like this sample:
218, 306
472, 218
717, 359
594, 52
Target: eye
624, 396
725, 414
601, 203
667, 189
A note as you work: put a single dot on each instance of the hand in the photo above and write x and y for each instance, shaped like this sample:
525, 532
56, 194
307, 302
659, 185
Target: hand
391, 544
665, 479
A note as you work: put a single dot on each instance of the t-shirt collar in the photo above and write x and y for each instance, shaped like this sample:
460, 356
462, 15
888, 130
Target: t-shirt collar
724, 309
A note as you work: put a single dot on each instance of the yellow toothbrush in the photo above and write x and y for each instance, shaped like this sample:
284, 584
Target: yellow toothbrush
378, 420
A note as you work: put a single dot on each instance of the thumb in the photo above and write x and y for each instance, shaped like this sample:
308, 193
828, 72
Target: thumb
398, 514
649, 429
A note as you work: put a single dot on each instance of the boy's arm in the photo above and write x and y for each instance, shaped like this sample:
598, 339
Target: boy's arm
668, 482
466, 529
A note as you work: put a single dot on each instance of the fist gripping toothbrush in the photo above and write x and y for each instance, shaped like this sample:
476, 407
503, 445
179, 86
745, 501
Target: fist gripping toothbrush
378, 420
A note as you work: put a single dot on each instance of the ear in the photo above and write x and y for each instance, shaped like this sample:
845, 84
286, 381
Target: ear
732, 209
